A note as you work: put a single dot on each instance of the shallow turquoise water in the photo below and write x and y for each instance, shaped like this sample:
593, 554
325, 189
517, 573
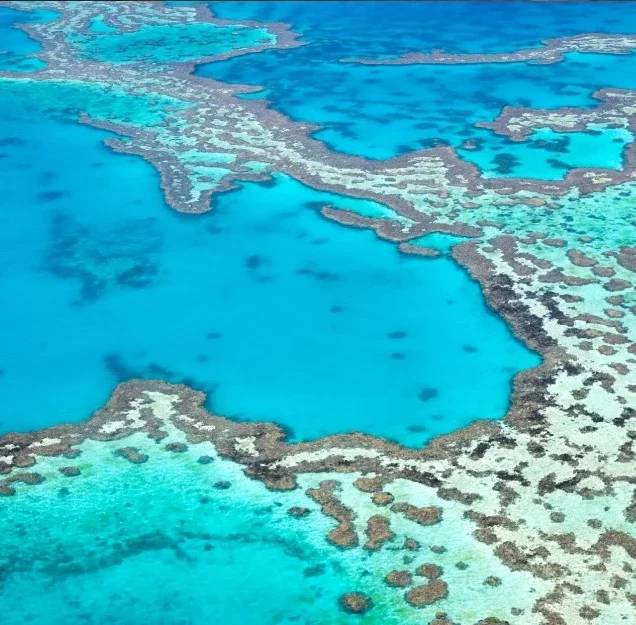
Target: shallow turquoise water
278, 313
549, 155
179, 42
175, 541
381, 112
95, 552
439, 241
98, 25
65, 101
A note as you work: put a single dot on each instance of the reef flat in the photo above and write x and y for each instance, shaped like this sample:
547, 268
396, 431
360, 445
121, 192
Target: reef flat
336, 541
525, 520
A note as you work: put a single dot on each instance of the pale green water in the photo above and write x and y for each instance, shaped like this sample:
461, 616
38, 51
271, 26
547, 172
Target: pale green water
174, 541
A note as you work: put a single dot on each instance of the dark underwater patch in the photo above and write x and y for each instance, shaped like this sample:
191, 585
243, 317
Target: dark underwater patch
318, 275
314, 571
505, 163
158, 370
14, 141
115, 365
51, 196
254, 261
99, 258
416, 429
427, 394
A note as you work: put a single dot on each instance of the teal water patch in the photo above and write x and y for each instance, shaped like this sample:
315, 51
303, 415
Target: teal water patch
277, 313
172, 43
439, 241
98, 25
549, 155
16, 47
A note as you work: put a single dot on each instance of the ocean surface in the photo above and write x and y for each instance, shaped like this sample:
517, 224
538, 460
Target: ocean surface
384, 111
16, 47
277, 313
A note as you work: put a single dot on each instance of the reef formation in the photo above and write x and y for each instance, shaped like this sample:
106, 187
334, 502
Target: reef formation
545, 499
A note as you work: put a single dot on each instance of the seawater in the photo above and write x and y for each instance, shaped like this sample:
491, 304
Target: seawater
92, 550
15, 45
179, 42
174, 541
384, 111
275, 312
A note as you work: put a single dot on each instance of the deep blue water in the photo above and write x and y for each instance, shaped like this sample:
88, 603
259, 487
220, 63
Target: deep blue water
16, 45
278, 313
391, 28
380, 112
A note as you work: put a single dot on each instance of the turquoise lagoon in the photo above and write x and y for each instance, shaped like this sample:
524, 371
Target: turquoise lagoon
91, 550
275, 312
278, 314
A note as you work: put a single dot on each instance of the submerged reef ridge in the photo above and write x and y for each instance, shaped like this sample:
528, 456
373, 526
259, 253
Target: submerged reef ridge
551, 52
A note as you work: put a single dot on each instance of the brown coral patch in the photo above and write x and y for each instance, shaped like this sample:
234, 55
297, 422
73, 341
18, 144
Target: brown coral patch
70, 471
131, 454
432, 571
382, 499
421, 596
428, 515
344, 535
398, 579
355, 603
369, 484
378, 532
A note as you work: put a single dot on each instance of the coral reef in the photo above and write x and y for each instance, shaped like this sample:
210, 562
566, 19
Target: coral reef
541, 503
